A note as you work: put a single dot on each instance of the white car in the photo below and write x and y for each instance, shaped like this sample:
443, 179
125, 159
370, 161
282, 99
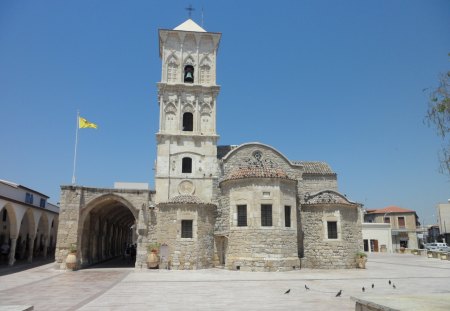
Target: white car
442, 247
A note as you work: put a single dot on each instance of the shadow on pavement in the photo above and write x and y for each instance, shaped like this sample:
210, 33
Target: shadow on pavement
22, 265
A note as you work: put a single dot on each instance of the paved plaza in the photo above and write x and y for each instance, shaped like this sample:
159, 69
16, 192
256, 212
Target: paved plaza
110, 288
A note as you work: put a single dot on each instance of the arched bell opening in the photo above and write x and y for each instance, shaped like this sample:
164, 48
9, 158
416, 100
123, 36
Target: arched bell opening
107, 230
188, 74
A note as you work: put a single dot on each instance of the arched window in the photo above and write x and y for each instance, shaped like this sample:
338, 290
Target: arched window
189, 74
186, 165
188, 122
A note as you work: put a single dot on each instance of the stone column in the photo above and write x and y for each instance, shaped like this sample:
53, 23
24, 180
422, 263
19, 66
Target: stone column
31, 250
12, 252
45, 246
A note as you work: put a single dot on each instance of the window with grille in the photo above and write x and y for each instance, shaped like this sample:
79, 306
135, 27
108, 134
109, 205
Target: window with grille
332, 229
266, 215
186, 165
242, 215
186, 229
387, 220
287, 216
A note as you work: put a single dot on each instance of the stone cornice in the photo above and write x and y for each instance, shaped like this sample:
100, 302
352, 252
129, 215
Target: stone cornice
106, 190
187, 87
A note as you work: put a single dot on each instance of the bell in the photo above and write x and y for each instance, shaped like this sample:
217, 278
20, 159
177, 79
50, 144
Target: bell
189, 75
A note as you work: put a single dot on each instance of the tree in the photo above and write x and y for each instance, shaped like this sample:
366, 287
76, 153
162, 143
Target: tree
438, 116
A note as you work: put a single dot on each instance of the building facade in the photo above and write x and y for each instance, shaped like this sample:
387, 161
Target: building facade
28, 223
404, 225
243, 207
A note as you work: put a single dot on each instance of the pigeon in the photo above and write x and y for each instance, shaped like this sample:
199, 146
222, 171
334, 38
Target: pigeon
373, 285
306, 287
288, 291
393, 285
339, 293
363, 289
389, 282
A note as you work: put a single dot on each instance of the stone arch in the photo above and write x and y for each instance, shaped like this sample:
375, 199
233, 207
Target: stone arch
27, 232
95, 220
10, 222
42, 233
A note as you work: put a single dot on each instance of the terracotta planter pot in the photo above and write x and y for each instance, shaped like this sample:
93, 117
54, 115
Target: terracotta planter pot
71, 261
153, 260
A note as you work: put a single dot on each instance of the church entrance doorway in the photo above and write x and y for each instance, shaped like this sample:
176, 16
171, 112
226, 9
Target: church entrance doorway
108, 232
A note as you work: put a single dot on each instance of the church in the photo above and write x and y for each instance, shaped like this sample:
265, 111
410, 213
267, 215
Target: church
240, 207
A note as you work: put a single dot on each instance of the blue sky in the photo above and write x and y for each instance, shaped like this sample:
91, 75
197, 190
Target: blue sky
334, 81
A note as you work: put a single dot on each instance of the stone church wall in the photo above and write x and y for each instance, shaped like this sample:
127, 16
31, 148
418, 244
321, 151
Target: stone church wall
320, 252
312, 184
187, 253
271, 249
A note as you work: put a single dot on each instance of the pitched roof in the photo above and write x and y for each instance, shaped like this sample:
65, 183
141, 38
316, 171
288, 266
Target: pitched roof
189, 25
320, 168
390, 209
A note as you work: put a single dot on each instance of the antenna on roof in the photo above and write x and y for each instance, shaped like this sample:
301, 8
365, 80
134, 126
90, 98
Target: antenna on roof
190, 9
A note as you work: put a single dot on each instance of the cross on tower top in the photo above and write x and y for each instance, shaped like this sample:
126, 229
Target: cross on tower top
190, 9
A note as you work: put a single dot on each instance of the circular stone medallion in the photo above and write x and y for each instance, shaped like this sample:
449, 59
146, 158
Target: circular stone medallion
186, 187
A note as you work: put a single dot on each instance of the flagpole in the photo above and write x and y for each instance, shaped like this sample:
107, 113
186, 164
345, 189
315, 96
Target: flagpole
76, 143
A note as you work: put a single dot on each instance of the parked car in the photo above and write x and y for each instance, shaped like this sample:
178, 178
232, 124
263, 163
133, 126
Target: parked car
441, 247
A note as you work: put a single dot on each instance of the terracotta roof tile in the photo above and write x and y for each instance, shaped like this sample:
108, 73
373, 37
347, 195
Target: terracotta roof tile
390, 209
257, 172
320, 168
186, 199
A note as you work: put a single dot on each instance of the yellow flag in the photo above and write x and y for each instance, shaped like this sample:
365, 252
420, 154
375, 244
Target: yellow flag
83, 123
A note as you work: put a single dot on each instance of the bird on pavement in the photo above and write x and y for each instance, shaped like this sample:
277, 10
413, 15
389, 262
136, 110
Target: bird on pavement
393, 286
373, 285
306, 287
363, 289
390, 282
288, 291
339, 293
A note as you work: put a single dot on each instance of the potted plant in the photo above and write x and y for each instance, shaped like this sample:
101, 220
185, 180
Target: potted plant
361, 259
153, 257
71, 259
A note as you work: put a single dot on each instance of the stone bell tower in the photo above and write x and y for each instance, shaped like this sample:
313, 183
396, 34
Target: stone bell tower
187, 140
